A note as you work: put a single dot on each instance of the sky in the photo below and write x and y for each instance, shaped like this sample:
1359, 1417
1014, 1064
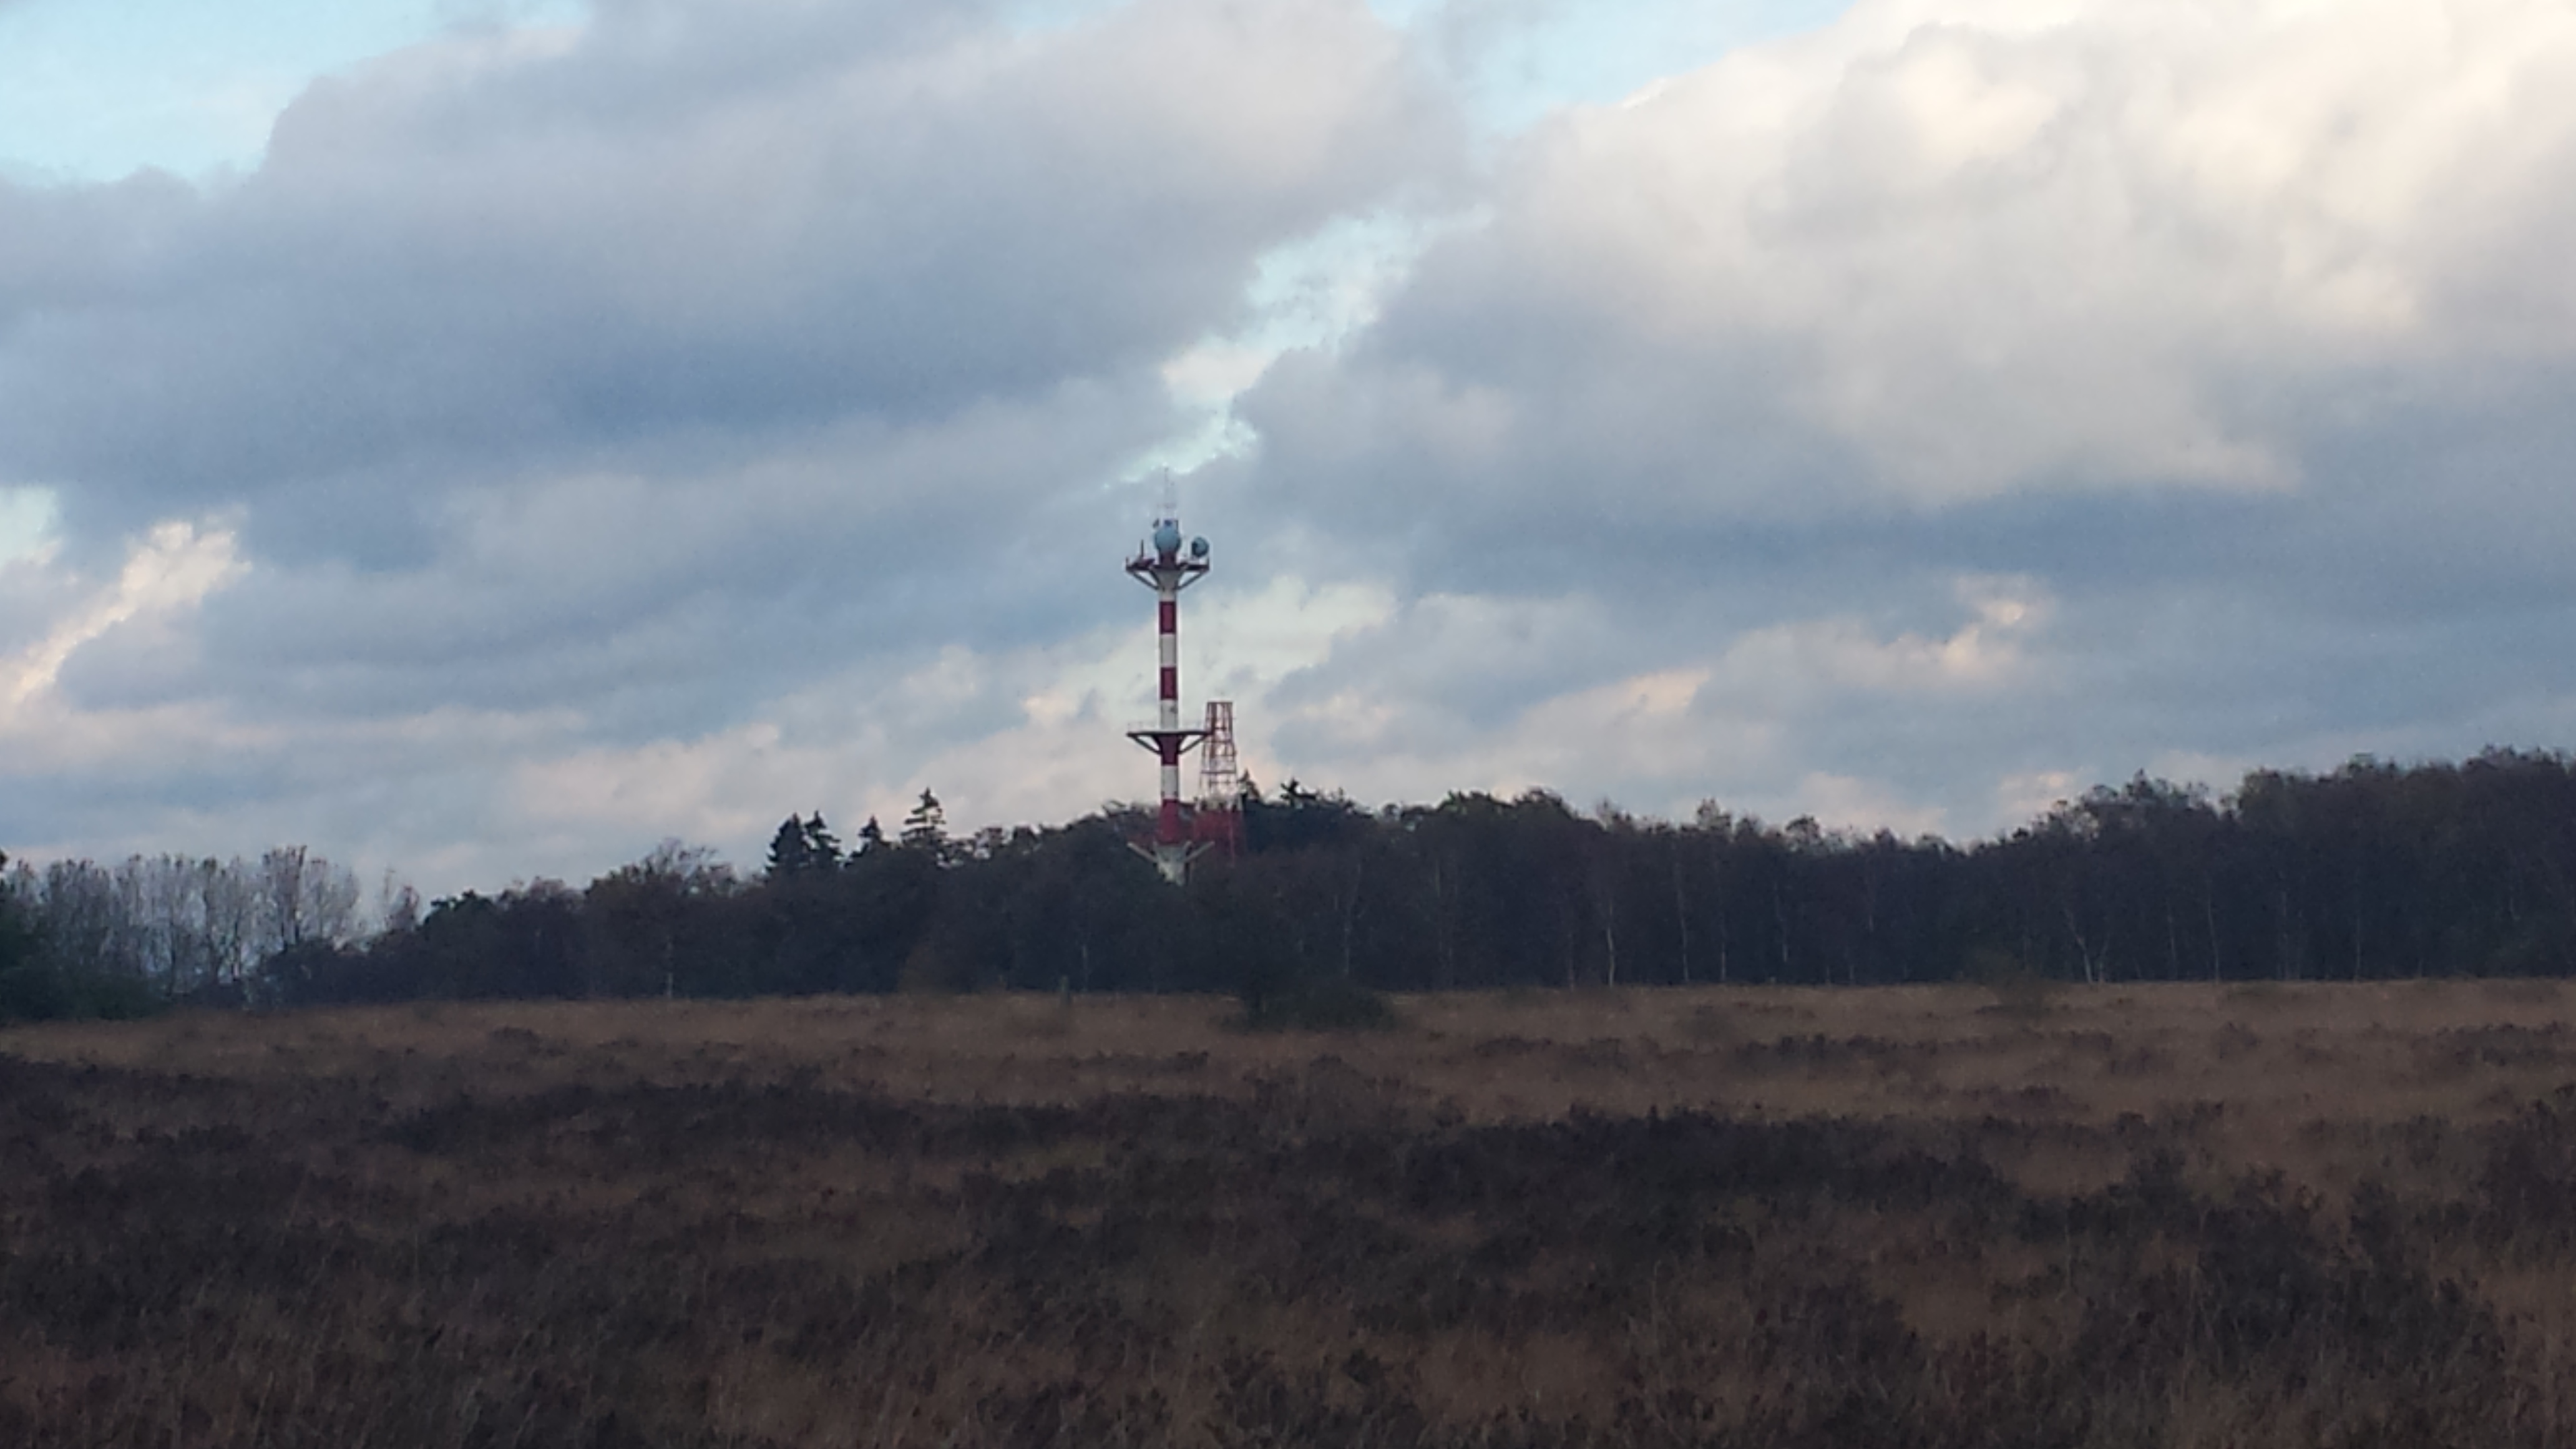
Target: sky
484, 440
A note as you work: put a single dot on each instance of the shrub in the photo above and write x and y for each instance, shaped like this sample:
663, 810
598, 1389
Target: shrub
38, 991
1329, 1003
32, 991
2018, 990
115, 998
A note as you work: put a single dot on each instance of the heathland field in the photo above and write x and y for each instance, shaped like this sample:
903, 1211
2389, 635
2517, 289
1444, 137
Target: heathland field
1947, 1216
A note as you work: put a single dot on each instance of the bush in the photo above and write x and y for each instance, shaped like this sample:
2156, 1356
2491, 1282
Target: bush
37, 991
1331, 1003
2018, 990
32, 991
114, 998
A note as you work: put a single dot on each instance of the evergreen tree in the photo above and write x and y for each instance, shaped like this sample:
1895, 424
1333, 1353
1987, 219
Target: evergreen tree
791, 850
823, 848
803, 847
925, 828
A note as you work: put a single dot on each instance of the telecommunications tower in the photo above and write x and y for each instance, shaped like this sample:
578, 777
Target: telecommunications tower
1163, 565
1219, 825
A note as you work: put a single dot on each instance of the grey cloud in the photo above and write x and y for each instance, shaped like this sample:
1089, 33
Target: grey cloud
702, 218
811, 285
736, 359
669, 603
571, 396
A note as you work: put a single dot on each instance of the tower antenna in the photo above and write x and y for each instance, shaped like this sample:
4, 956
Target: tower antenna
1219, 825
1164, 565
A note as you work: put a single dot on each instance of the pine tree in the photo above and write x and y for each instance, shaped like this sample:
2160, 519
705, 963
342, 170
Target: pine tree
823, 848
791, 850
926, 827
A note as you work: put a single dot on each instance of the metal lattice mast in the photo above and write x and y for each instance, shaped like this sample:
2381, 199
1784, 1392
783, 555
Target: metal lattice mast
1219, 826
1218, 779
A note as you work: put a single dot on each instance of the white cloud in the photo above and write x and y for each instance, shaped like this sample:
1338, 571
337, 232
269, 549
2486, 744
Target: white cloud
1844, 802
1024, 735
170, 571
2223, 338
1991, 247
2033, 794
1842, 654
1477, 693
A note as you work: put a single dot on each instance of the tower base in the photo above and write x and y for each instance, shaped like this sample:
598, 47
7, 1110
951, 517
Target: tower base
1172, 858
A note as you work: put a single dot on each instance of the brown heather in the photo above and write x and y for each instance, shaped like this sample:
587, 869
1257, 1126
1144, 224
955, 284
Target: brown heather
2156, 1215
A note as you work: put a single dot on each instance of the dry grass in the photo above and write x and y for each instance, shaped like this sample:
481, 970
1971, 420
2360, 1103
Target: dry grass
1752, 1216
2274, 1060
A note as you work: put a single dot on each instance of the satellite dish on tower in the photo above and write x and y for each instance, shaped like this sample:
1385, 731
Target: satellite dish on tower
1161, 566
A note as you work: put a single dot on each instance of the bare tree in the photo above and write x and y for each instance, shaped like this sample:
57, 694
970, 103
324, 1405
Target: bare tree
397, 904
232, 918
282, 899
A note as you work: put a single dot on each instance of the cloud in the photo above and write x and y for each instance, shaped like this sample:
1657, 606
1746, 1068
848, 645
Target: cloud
1939, 253
657, 425
1565, 693
577, 392
2229, 331
171, 571
511, 246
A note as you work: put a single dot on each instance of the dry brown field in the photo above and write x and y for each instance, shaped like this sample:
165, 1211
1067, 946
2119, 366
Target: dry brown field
2137, 1215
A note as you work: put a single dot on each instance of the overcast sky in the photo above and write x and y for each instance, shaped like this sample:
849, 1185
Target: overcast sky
484, 439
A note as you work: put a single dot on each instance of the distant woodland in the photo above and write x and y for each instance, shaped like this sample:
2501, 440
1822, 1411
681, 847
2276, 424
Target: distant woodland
2371, 871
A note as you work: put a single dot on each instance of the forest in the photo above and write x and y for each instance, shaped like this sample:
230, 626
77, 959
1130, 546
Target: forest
2371, 871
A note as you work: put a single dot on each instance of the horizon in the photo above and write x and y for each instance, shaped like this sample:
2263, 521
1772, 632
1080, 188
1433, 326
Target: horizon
390, 879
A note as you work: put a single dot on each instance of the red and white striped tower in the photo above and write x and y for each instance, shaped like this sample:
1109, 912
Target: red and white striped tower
1161, 564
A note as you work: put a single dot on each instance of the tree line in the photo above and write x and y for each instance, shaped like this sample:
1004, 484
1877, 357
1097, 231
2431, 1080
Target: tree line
82, 939
2370, 871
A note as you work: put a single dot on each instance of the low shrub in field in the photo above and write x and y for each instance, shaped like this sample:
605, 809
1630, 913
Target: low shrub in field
586, 1225
2018, 990
1331, 1003
771, 1265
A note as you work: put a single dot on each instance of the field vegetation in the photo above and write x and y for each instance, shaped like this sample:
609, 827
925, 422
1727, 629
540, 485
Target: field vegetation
1997, 1214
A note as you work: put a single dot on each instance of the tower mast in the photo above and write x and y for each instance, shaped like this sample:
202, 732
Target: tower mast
1161, 564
